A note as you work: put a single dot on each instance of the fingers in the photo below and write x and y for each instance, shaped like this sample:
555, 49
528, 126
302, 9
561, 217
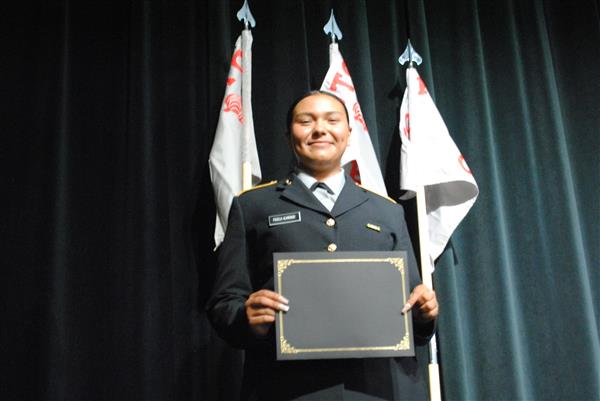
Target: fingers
423, 302
427, 310
261, 308
268, 299
261, 319
414, 297
427, 315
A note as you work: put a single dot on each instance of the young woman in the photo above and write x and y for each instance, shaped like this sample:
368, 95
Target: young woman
334, 218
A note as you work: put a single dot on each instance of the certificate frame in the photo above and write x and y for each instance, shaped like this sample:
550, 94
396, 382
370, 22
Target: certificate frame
322, 286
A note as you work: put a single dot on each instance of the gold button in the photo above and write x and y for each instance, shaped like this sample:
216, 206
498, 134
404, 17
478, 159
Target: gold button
330, 222
332, 247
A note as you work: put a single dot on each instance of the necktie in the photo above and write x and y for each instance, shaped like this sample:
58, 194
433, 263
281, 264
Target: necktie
321, 185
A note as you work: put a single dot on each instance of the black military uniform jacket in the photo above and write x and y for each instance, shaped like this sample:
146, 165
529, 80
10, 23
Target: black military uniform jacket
246, 265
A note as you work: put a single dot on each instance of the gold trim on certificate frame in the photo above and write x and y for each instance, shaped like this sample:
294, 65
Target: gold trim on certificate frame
286, 348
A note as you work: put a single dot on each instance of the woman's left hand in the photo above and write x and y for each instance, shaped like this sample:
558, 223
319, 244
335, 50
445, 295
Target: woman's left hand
423, 303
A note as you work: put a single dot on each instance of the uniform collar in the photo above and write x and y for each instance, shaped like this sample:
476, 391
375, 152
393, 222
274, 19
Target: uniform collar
335, 182
295, 191
351, 196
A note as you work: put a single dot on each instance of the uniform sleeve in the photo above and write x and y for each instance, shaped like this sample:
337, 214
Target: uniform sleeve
225, 308
422, 331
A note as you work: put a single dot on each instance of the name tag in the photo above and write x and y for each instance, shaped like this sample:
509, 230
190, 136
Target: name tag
285, 218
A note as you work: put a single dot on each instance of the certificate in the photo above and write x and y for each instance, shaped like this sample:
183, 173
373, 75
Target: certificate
343, 305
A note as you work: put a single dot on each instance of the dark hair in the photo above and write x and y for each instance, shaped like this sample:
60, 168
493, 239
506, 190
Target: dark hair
290, 113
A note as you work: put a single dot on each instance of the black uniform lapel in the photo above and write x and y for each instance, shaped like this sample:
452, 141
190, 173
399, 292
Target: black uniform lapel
351, 196
295, 191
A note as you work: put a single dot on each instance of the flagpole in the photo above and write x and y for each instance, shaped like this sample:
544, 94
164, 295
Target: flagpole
435, 393
246, 85
245, 15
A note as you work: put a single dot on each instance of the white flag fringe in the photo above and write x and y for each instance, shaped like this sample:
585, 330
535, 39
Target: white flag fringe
234, 144
430, 158
359, 159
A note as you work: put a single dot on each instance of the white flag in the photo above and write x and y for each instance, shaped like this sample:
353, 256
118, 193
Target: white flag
359, 158
234, 144
430, 158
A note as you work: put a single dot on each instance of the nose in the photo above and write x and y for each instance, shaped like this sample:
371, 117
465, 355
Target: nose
319, 127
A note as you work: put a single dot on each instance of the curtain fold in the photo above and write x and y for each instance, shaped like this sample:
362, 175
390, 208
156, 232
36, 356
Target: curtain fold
109, 112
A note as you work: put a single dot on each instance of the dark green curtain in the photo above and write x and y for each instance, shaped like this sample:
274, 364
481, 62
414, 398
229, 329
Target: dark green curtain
108, 114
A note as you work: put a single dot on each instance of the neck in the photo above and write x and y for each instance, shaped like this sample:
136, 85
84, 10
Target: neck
320, 175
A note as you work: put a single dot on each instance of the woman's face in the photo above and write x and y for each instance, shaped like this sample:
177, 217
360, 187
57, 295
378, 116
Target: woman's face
319, 134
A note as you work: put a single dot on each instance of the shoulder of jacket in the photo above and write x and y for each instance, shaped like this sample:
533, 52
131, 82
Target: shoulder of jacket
378, 194
265, 185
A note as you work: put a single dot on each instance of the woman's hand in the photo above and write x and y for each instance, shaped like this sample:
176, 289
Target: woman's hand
261, 307
424, 304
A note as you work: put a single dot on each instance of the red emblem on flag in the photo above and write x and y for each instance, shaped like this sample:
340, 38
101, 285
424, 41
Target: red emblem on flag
406, 128
337, 80
233, 103
422, 87
230, 81
234, 60
355, 172
463, 164
359, 117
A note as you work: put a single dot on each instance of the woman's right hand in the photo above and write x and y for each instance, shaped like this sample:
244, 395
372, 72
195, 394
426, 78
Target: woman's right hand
261, 307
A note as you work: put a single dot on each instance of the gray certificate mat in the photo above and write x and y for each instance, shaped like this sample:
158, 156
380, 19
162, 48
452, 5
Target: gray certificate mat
343, 305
